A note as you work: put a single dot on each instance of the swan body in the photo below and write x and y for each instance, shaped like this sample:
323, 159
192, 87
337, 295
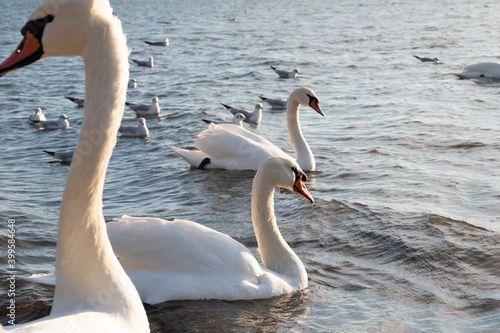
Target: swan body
80, 102
275, 103
234, 148
490, 70
254, 116
139, 131
237, 120
152, 109
92, 293
145, 63
60, 123
37, 116
287, 74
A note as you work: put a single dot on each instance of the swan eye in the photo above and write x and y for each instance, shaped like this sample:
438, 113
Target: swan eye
36, 26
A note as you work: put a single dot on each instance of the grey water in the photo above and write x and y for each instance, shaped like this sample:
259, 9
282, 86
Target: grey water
404, 232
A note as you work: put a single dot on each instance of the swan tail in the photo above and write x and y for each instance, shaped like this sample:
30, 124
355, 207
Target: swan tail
195, 158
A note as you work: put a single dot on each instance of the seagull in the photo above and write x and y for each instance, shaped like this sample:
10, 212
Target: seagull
287, 74
139, 131
166, 42
145, 63
64, 156
152, 109
78, 101
132, 83
275, 103
253, 116
37, 116
60, 123
425, 59
237, 120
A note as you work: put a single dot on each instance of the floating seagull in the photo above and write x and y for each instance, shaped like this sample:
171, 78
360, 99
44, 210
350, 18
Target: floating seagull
287, 74
490, 70
78, 101
253, 116
166, 42
64, 156
139, 131
275, 103
37, 116
132, 83
145, 63
425, 59
60, 123
152, 109
237, 120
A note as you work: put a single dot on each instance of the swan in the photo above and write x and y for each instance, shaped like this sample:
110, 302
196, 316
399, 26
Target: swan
60, 123
490, 70
237, 120
235, 148
152, 109
37, 116
181, 260
93, 293
139, 131
254, 116
287, 74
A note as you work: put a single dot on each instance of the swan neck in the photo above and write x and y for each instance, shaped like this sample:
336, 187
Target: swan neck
87, 272
276, 254
303, 153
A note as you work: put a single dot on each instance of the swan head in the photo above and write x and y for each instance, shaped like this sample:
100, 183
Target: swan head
56, 28
307, 97
285, 173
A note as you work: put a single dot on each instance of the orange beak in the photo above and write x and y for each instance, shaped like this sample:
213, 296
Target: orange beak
301, 189
27, 52
314, 104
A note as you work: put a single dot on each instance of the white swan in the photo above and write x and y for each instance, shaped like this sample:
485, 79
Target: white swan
235, 148
93, 293
179, 259
37, 116
490, 70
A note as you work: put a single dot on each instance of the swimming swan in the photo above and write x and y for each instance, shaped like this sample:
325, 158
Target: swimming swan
234, 148
93, 293
490, 70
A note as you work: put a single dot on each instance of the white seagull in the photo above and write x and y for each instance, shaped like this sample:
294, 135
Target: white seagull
37, 116
254, 116
132, 83
80, 102
152, 109
60, 123
166, 42
275, 103
145, 63
425, 59
64, 156
237, 120
287, 74
139, 131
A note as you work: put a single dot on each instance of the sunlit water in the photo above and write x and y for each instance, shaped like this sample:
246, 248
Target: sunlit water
403, 235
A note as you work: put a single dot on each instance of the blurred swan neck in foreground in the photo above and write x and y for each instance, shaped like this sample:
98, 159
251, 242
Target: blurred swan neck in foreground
276, 254
89, 276
303, 153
